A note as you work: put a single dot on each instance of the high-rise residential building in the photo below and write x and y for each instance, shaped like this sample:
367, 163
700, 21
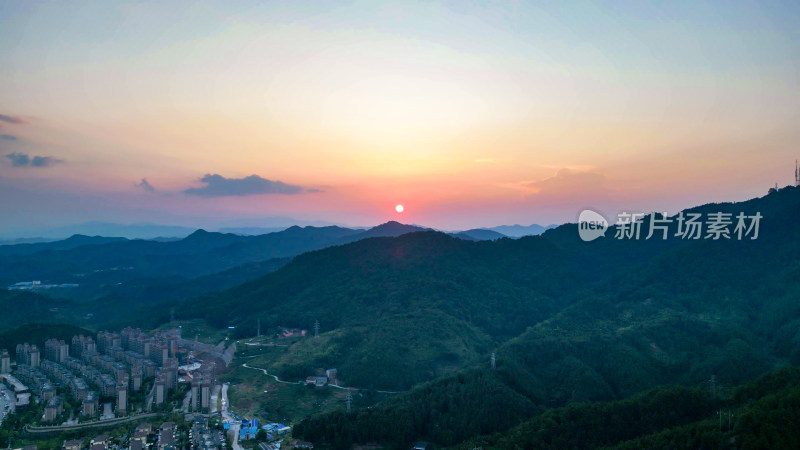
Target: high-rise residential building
161, 391
81, 344
28, 354
34, 357
5, 361
136, 377
195, 394
122, 398
90, 404
56, 350
205, 394
170, 370
106, 340
52, 409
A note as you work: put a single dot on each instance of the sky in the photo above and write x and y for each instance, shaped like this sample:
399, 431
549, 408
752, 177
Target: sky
469, 113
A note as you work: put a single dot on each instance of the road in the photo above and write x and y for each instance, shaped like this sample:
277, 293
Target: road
89, 425
150, 397
226, 415
271, 344
270, 375
264, 371
186, 401
107, 412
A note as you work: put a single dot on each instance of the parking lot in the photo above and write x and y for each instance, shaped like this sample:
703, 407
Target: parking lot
7, 401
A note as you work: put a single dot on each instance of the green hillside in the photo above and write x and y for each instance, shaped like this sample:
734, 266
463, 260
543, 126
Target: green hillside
19, 307
37, 333
759, 414
676, 313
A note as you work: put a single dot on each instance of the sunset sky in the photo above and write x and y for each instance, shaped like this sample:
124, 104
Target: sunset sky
468, 113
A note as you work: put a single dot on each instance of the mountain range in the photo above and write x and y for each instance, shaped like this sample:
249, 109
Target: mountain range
241, 227
411, 309
620, 317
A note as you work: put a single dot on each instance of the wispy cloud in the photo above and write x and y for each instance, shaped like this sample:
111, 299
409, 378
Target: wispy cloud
8, 137
24, 160
219, 186
144, 184
11, 119
567, 180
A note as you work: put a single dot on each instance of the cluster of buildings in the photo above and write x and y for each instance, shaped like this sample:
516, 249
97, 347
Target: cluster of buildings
249, 428
143, 437
330, 377
204, 438
36, 284
111, 367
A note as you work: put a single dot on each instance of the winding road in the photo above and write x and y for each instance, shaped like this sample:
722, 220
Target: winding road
264, 371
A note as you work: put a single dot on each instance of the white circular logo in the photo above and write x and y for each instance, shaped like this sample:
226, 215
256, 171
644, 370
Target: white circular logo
591, 225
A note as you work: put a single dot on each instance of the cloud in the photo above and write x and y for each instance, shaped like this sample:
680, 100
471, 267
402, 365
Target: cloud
44, 161
23, 160
219, 186
8, 137
144, 184
19, 159
11, 119
568, 180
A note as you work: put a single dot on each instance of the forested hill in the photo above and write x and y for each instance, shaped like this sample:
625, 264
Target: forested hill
501, 287
38, 333
596, 321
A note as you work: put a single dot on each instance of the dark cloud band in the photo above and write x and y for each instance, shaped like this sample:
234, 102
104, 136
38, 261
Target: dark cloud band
219, 186
24, 160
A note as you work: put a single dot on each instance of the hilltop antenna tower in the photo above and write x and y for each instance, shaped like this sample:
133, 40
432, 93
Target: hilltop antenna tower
316, 328
796, 174
258, 329
349, 399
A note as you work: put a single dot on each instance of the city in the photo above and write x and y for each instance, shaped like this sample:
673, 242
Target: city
130, 377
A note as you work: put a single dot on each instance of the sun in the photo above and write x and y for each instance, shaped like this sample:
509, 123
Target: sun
399, 208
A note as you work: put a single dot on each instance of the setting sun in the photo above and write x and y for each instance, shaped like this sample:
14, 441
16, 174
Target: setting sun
399, 208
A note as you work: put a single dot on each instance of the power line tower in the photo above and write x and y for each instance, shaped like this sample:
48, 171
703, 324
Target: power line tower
316, 328
172, 314
494, 361
796, 174
258, 329
713, 383
349, 400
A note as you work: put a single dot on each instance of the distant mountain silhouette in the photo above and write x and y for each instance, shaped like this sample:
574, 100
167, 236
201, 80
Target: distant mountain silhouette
71, 242
250, 231
388, 229
130, 231
516, 231
479, 234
